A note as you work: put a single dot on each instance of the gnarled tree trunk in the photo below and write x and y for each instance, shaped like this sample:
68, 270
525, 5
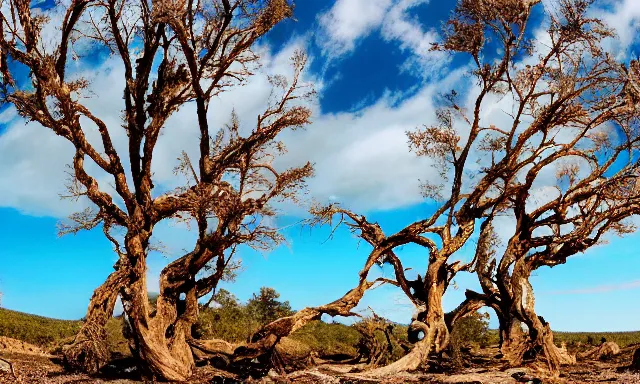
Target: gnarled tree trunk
513, 340
89, 351
265, 340
159, 336
518, 304
431, 322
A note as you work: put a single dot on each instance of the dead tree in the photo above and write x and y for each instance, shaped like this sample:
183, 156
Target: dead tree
579, 101
371, 349
573, 111
582, 107
425, 294
597, 201
173, 53
200, 50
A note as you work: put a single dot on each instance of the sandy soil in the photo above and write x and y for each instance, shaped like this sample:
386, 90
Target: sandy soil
10, 345
481, 369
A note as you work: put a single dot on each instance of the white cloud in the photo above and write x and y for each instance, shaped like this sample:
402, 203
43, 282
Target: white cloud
349, 21
400, 26
361, 158
33, 170
624, 17
34, 160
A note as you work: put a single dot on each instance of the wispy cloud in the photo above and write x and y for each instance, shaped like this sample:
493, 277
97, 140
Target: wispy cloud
350, 21
600, 289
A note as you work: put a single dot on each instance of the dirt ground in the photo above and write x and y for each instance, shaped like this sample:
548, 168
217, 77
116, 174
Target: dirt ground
481, 368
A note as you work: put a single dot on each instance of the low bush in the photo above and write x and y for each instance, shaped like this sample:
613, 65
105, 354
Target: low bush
37, 330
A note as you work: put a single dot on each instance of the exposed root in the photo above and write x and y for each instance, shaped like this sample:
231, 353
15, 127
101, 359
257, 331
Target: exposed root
558, 356
604, 351
8, 366
89, 351
436, 335
520, 350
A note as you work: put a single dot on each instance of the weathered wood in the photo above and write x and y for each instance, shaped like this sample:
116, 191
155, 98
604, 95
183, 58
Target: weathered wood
89, 351
7, 366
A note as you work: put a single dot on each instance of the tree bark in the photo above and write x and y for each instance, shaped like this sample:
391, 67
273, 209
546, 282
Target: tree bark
264, 341
431, 322
158, 336
513, 340
518, 308
89, 351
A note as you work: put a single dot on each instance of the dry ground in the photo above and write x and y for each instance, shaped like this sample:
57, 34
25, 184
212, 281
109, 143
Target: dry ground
482, 368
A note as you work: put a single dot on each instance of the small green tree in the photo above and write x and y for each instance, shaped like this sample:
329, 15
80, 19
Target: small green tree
472, 330
469, 331
226, 319
265, 306
225, 299
232, 321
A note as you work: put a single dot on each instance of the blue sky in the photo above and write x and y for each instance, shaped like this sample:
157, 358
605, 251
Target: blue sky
375, 79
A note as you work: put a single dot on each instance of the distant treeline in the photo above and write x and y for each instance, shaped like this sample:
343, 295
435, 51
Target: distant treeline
38, 330
229, 319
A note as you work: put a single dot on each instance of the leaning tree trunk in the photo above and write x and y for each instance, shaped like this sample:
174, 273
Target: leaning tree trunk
89, 351
163, 339
265, 340
159, 336
539, 339
431, 322
514, 343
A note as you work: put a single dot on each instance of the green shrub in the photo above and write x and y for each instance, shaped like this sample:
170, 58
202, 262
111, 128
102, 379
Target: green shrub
37, 330
623, 339
329, 339
118, 344
235, 322
472, 330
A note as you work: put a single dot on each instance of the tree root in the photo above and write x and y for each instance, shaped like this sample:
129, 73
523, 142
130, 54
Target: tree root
519, 351
11, 369
89, 351
436, 335
601, 352
558, 356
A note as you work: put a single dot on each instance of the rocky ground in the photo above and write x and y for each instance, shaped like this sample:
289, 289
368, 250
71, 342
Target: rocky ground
31, 365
